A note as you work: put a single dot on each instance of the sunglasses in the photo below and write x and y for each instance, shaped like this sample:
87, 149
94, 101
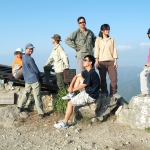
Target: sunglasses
85, 60
81, 22
31, 49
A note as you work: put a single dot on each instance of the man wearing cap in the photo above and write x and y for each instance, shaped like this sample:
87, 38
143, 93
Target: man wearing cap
31, 76
17, 64
145, 76
83, 41
60, 60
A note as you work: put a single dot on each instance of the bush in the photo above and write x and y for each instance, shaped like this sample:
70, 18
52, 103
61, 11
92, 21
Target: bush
148, 130
59, 104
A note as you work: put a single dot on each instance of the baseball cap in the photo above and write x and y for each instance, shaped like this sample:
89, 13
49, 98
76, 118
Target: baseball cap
19, 50
29, 45
56, 37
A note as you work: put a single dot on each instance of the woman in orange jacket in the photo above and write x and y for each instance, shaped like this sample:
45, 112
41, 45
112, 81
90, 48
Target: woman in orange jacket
17, 64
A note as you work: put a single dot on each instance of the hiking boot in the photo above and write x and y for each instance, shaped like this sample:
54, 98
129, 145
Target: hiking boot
143, 95
20, 110
61, 124
68, 96
116, 96
41, 116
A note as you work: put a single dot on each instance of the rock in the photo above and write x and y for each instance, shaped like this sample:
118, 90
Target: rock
118, 111
94, 120
103, 107
9, 115
136, 115
24, 115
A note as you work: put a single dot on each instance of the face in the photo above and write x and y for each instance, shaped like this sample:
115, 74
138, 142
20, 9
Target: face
106, 32
18, 54
82, 23
86, 62
29, 51
149, 35
53, 41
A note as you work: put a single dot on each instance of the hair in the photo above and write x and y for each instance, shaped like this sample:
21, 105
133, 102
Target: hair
91, 58
103, 27
80, 19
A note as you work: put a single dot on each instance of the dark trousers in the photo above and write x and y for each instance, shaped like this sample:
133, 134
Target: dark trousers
107, 66
59, 76
47, 70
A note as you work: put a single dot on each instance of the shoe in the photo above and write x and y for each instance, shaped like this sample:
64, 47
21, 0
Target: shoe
20, 110
143, 95
61, 124
41, 116
116, 96
68, 96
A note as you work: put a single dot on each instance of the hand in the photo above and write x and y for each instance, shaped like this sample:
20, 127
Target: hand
115, 65
98, 65
65, 69
78, 49
70, 89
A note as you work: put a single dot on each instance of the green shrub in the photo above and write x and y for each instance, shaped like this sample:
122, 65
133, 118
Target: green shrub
148, 130
59, 104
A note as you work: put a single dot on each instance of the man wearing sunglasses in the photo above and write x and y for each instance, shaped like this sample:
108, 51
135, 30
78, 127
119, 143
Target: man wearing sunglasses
88, 83
145, 76
83, 41
31, 76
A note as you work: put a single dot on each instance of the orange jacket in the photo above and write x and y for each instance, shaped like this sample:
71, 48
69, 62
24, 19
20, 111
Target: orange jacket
17, 64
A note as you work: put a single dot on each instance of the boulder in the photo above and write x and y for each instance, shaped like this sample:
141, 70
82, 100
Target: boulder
103, 107
8, 116
136, 115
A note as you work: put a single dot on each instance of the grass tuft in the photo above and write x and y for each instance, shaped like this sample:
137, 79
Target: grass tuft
148, 129
59, 104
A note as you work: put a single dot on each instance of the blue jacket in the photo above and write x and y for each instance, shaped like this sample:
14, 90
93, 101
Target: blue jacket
30, 70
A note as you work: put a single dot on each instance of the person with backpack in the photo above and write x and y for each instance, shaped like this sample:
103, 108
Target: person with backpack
106, 60
145, 76
60, 60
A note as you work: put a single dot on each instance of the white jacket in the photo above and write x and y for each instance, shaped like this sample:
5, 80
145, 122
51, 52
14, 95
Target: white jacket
59, 58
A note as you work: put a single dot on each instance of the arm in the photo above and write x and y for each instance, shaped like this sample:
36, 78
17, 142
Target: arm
50, 60
71, 87
93, 39
115, 55
97, 51
34, 66
64, 57
70, 41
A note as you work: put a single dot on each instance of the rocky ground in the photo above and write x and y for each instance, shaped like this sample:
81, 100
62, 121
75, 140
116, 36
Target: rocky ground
33, 133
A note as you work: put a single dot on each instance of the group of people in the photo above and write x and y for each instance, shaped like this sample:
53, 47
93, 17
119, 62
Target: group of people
87, 81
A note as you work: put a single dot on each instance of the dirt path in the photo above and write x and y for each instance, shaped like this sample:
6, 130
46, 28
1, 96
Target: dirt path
34, 134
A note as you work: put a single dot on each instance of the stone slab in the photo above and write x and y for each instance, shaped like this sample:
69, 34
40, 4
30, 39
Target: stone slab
6, 98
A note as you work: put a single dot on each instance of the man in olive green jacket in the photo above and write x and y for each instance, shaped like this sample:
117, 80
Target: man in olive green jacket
60, 60
83, 41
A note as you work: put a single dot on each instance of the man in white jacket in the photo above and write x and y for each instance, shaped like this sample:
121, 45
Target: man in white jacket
145, 76
60, 60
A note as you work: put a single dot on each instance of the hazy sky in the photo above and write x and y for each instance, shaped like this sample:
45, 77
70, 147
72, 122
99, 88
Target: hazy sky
35, 21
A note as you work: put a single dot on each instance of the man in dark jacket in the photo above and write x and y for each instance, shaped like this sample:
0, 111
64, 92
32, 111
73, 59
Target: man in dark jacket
31, 76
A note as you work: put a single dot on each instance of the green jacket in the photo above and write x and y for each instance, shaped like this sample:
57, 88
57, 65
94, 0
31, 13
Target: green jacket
59, 58
86, 43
